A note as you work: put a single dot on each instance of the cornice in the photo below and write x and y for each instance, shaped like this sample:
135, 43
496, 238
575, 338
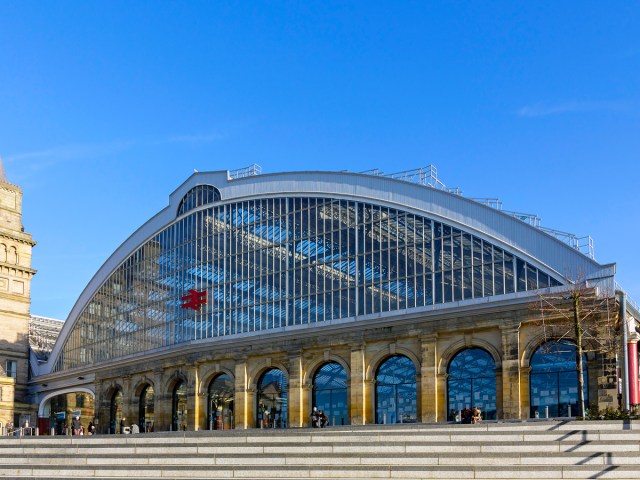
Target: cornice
19, 237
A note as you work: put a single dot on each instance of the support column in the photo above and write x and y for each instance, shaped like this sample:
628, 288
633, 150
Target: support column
358, 390
296, 413
511, 395
428, 380
162, 417
632, 351
128, 412
244, 398
193, 404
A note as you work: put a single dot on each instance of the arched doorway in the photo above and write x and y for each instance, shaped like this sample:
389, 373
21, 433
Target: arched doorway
330, 392
146, 410
179, 407
471, 381
57, 411
271, 400
553, 381
115, 410
221, 407
396, 393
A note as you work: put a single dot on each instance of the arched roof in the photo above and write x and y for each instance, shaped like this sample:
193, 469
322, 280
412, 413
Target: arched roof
537, 247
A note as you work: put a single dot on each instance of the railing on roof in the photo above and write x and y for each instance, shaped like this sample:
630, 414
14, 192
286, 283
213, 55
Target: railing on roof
428, 176
250, 171
630, 300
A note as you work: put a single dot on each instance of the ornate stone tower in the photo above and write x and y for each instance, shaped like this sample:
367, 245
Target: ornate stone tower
15, 301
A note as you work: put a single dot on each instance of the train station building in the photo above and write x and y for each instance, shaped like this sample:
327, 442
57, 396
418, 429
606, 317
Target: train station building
252, 298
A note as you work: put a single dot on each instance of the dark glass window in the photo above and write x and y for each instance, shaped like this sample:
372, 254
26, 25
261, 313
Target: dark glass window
221, 405
179, 407
330, 392
471, 382
396, 398
271, 400
198, 196
146, 410
554, 380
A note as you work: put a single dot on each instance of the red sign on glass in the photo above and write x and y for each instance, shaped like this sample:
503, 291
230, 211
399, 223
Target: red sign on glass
194, 300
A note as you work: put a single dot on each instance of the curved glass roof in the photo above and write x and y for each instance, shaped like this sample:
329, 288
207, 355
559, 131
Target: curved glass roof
271, 263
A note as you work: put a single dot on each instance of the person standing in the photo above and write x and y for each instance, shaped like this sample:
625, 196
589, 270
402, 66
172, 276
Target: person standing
76, 425
122, 425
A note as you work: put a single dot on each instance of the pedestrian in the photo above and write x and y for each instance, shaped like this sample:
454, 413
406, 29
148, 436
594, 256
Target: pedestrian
122, 425
315, 419
91, 428
324, 420
76, 425
135, 428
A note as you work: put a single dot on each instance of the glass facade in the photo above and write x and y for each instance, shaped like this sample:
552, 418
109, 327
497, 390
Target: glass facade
146, 416
221, 395
272, 399
276, 262
330, 392
396, 392
471, 382
179, 407
554, 380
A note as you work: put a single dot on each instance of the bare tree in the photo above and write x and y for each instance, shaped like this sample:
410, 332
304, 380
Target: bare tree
584, 316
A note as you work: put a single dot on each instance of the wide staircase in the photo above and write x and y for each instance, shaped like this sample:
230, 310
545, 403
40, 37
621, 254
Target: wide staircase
523, 450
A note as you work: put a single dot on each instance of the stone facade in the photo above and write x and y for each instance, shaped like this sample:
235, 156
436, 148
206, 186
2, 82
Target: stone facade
510, 336
15, 300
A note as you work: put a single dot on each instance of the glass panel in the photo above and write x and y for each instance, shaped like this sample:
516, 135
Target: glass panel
554, 380
271, 400
396, 399
221, 403
330, 393
471, 382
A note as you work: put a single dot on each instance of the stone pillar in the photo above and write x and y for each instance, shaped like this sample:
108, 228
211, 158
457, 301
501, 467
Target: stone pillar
193, 404
358, 398
128, 411
428, 392
511, 394
307, 391
162, 418
296, 405
244, 398
441, 395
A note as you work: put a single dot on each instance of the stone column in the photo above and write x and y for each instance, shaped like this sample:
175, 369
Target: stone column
244, 399
632, 360
296, 413
162, 418
511, 394
358, 398
193, 403
128, 412
428, 392
441, 395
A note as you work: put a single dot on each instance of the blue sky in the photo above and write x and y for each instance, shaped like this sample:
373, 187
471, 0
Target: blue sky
106, 107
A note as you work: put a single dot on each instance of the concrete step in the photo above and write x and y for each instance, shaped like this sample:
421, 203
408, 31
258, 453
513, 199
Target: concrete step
500, 450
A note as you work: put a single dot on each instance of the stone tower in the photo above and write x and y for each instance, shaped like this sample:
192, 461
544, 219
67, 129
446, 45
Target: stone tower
15, 301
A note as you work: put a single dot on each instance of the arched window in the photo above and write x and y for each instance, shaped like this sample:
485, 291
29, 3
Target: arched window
198, 196
330, 392
179, 407
471, 382
272, 404
115, 412
554, 380
146, 416
396, 398
221, 395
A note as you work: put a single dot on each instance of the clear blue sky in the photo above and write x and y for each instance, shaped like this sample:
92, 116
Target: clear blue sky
106, 107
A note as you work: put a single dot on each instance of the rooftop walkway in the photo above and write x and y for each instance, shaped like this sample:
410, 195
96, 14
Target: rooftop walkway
514, 450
